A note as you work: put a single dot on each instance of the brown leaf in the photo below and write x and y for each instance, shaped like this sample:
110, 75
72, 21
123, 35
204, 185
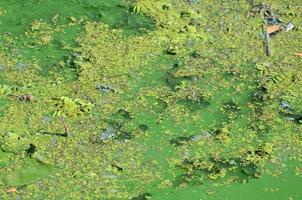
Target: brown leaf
12, 190
298, 54
273, 29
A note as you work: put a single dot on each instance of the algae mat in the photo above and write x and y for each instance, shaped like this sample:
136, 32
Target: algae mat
143, 99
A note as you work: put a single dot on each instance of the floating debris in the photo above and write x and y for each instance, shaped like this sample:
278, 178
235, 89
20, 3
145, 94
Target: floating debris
207, 135
204, 136
193, 1
172, 50
118, 168
124, 136
125, 114
290, 26
108, 134
21, 66
105, 88
12, 190
26, 97
143, 127
260, 94
71, 60
290, 118
31, 150
264, 150
109, 176
271, 29
185, 14
298, 118
166, 6
179, 141
286, 106
144, 196
196, 138
273, 20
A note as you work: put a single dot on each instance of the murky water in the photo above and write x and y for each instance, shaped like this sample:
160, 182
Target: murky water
148, 99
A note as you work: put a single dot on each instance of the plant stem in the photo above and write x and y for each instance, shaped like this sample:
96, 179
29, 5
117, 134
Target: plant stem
66, 129
267, 37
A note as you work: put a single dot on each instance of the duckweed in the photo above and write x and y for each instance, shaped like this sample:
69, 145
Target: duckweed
166, 99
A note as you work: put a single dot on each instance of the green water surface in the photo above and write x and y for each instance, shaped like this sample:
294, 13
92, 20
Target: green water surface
193, 102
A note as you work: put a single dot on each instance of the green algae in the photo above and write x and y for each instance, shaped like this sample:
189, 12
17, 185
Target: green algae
29, 172
71, 107
16, 18
196, 114
4, 159
50, 33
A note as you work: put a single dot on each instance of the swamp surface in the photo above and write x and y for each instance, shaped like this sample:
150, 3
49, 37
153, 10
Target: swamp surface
150, 99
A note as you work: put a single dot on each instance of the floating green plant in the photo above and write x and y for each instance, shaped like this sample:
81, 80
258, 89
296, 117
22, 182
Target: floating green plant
165, 99
71, 107
29, 172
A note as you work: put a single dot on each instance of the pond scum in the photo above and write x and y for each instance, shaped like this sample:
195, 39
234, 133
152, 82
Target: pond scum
150, 99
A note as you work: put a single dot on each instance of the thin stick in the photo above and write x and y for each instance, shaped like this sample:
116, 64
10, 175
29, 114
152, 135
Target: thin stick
267, 37
66, 129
